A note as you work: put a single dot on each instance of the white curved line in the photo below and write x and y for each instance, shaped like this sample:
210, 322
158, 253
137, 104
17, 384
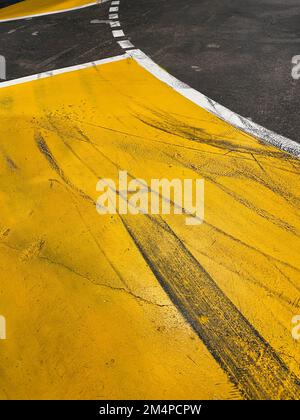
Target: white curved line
236, 120
54, 12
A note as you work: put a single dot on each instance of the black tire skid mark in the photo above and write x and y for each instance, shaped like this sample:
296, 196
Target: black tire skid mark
249, 361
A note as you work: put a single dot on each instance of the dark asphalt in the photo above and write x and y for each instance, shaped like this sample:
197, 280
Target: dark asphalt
50, 42
236, 52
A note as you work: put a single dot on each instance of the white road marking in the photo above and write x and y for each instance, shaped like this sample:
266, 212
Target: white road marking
113, 9
125, 44
115, 2
114, 24
61, 71
55, 12
113, 16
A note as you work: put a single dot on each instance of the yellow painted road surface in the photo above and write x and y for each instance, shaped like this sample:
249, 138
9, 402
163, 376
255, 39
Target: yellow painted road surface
36, 7
83, 294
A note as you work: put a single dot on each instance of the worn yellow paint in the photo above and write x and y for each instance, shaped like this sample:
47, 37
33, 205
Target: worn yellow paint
36, 7
86, 318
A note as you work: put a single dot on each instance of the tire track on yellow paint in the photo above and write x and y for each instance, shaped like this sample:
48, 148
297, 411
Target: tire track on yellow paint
56, 41
232, 340
35, 8
251, 363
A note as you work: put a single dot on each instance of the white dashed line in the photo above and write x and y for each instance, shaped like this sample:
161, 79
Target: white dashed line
115, 2
113, 9
113, 16
61, 71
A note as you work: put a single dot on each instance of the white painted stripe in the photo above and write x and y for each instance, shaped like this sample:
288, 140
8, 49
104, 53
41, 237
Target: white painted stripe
54, 12
213, 107
113, 9
118, 33
114, 24
115, 2
113, 16
125, 44
61, 71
